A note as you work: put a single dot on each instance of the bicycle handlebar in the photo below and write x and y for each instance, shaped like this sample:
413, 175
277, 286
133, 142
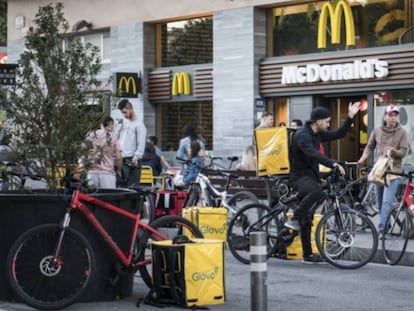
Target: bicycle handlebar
208, 171
409, 175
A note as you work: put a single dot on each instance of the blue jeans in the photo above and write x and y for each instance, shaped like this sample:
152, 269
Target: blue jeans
385, 200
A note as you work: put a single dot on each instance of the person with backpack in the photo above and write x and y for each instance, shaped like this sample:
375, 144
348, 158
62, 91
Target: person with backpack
304, 174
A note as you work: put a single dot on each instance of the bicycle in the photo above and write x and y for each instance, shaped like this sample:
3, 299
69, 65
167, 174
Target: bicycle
148, 210
15, 176
203, 193
360, 194
342, 235
399, 223
51, 265
213, 165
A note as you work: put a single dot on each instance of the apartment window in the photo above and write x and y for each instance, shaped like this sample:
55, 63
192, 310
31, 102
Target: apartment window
185, 42
102, 41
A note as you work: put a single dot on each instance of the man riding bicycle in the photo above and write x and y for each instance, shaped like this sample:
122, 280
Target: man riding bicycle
304, 163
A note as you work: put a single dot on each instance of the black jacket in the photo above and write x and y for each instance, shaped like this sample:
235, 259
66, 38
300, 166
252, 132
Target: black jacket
305, 149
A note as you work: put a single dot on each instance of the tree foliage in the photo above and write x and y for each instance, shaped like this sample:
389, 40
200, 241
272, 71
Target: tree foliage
56, 86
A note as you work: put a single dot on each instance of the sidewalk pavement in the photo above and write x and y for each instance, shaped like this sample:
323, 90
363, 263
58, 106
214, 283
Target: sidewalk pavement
282, 277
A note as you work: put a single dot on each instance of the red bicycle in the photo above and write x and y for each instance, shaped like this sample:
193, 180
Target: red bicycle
399, 222
50, 266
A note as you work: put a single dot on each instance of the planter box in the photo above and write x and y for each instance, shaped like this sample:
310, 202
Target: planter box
19, 212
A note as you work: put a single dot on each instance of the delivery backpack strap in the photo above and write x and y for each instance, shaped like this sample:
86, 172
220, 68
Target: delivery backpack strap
169, 261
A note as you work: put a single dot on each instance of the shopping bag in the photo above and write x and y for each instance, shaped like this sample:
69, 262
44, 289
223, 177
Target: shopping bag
376, 175
189, 274
272, 151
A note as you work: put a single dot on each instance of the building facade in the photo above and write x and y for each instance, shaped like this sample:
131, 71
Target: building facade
219, 64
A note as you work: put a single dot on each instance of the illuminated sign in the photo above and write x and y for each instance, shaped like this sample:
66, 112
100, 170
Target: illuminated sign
335, 13
7, 74
313, 73
181, 84
127, 84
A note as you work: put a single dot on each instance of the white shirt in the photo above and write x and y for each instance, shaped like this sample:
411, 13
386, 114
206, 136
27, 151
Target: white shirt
132, 138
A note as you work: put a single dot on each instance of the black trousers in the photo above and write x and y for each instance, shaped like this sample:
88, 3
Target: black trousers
309, 192
130, 174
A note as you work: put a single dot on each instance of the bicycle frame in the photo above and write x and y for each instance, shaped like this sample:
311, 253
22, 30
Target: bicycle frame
77, 204
207, 188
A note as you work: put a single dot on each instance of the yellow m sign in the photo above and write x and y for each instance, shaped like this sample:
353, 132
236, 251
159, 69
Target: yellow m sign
181, 84
127, 84
335, 13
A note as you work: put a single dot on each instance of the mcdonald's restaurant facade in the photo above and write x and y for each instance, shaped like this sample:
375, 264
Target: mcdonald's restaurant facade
219, 64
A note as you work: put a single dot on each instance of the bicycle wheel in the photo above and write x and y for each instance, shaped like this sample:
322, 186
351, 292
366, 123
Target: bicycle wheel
170, 227
395, 238
240, 199
44, 284
148, 208
251, 218
347, 238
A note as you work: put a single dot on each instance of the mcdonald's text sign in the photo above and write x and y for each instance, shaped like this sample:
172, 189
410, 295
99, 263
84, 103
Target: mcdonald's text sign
181, 84
128, 84
335, 12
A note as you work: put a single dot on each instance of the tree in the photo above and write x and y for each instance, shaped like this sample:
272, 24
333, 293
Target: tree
56, 86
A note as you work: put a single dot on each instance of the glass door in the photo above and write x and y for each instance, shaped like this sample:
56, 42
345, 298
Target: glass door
351, 146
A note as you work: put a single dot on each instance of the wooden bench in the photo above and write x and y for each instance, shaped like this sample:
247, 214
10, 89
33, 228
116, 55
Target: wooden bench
262, 186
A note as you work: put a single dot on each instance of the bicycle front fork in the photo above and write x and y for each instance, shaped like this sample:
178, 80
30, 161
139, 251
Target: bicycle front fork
64, 225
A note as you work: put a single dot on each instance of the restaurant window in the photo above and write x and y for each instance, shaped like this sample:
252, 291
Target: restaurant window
294, 29
185, 42
174, 116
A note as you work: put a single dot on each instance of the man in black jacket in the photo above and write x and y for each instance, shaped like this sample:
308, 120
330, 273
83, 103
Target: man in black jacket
305, 169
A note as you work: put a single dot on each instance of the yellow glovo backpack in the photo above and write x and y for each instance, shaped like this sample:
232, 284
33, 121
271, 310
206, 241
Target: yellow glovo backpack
272, 150
187, 272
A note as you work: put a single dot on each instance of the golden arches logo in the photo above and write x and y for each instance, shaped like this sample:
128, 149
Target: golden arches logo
335, 13
127, 82
181, 84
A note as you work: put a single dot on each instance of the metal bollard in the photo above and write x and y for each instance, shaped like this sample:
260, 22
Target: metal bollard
258, 271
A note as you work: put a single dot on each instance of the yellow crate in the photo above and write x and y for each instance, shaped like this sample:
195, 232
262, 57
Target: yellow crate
294, 250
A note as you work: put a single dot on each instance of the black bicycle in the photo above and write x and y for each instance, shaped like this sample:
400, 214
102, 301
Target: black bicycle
399, 223
346, 238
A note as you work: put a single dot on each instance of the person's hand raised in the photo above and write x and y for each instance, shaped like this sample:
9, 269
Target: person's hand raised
353, 109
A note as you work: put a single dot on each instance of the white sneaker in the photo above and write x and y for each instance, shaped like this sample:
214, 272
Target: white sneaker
293, 224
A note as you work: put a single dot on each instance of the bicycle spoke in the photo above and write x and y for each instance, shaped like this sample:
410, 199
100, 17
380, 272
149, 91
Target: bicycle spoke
347, 240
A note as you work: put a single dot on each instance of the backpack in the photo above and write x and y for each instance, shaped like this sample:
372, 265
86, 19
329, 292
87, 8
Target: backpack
291, 134
177, 278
